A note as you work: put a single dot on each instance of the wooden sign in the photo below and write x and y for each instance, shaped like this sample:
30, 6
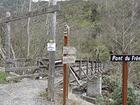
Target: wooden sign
121, 58
69, 59
69, 50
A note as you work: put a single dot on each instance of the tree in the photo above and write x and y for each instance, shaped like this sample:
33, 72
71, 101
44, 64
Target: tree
120, 31
120, 25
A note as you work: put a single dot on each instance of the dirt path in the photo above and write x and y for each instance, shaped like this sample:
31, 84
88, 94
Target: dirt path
27, 92
23, 93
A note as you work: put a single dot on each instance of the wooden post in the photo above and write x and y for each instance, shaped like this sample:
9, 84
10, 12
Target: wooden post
124, 82
65, 70
91, 67
51, 75
96, 67
28, 30
87, 66
52, 36
8, 41
80, 67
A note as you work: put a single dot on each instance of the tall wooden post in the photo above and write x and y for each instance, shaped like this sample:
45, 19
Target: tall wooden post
52, 36
8, 41
28, 30
124, 82
65, 70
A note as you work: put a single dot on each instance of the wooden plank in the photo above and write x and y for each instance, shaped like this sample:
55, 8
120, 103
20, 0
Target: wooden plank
85, 74
74, 75
50, 9
20, 60
25, 68
16, 78
80, 68
92, 67
83, 60
87, 67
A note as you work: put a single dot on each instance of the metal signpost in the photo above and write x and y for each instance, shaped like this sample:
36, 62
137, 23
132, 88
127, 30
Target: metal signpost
125, 59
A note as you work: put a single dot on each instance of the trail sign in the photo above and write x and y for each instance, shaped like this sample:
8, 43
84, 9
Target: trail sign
119, 58
69, 50
69, 59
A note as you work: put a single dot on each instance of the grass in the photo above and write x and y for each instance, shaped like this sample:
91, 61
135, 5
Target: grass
44, 94
72, 100
2, 78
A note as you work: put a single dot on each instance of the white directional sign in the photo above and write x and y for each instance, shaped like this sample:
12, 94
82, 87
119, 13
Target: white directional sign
69, 59
69, 50
51, 46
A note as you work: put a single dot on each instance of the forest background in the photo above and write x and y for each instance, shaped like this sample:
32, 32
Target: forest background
97, 27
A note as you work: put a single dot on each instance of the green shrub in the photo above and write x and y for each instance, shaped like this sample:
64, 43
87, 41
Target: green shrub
117, 95
137, 98
44, 94
2, 77
101, 100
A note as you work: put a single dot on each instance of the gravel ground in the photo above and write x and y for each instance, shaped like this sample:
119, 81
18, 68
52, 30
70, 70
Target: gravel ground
25, 92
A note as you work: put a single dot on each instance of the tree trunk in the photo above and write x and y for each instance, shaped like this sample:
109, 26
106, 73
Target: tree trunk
7, 42
14, 56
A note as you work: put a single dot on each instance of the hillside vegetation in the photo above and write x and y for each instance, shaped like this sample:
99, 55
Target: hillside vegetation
98, 27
